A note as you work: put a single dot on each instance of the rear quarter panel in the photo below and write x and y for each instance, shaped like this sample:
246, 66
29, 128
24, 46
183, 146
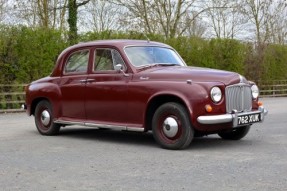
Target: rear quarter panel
46, 88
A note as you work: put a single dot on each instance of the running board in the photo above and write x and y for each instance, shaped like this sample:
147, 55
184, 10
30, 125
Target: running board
106, 126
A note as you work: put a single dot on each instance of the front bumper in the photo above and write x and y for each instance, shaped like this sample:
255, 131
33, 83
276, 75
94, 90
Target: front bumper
232, 117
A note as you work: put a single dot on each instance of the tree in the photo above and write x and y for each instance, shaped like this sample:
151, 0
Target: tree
264, 15
257, 12
73, 6
49, 14
197, 26
225, 18
3, 4
40, 13
168, 17
104, 16
278, 23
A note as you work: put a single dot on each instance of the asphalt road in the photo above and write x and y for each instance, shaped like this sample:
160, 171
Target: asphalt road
90, 159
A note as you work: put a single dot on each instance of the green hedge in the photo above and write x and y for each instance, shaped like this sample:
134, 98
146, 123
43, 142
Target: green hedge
27, 54
275, 63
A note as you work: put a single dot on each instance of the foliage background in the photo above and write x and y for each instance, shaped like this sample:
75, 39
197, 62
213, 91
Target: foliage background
27, 54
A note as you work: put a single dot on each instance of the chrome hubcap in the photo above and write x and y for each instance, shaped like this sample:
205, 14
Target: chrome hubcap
45, 117
170, 127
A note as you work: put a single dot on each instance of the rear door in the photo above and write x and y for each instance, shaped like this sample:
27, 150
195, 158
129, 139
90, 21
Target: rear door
72, 84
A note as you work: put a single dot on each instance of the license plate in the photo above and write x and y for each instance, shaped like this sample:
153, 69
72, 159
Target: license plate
249, 119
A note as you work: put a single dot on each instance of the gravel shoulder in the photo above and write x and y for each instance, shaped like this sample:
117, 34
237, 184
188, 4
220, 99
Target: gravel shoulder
91, 159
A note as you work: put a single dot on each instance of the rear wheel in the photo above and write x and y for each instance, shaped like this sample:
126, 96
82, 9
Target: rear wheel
171, 126
44, 119
235, 134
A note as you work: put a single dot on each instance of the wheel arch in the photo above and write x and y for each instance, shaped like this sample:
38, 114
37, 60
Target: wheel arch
158, 100
43, 91
35, 103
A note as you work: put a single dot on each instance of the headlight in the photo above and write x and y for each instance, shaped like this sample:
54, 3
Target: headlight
255, 91
216, 94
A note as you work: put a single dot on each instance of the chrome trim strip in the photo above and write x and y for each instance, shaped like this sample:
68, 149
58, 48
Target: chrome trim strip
136, 129
69, 122
106, 126
122, 128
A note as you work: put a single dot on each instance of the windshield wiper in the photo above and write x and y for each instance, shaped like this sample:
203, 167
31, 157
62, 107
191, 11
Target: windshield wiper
167, 64
157, 64
147, 66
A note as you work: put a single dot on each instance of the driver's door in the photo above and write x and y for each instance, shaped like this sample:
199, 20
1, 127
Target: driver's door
106, 89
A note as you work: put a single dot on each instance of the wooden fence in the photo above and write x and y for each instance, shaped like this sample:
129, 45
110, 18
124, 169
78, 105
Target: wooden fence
277, 88
12, 96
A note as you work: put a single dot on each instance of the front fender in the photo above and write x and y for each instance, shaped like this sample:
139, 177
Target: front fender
191, 95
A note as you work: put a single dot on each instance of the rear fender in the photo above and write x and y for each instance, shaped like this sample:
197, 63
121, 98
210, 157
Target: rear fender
43, 91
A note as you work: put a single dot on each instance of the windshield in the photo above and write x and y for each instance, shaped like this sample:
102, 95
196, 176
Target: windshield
150, 55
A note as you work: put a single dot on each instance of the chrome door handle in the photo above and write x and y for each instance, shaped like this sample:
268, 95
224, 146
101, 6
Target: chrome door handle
87, 80
83, 81
90, 80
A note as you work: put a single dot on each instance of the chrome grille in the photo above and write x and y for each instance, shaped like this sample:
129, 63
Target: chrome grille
238, 97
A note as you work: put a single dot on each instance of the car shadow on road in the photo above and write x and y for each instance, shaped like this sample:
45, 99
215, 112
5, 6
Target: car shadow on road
107, 135
146, 139
214, 142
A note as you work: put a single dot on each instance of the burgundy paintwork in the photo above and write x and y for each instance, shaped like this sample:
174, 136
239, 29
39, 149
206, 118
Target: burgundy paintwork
119, 100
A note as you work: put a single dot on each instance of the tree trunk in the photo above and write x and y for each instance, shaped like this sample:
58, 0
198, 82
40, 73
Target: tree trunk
72, 21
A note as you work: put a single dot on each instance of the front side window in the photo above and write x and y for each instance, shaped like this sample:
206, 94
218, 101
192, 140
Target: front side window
77, 62
147, 55
107, 59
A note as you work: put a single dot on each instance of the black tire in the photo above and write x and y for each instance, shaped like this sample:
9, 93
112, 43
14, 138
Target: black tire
171, 126
235, 134
44, 119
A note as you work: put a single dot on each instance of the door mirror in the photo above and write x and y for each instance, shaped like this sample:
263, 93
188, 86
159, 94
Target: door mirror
119, 67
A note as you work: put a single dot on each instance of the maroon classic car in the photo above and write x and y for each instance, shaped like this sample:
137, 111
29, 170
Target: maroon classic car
136, 85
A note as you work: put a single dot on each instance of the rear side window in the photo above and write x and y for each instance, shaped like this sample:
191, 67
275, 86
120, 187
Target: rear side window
77, 62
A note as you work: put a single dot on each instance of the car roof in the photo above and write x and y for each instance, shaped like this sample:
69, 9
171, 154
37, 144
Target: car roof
120, 43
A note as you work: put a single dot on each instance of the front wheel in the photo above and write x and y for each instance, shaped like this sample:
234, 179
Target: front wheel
44, 119
235, 134
171, 126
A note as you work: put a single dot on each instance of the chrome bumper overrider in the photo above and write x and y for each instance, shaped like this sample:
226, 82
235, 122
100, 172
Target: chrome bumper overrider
232, 117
